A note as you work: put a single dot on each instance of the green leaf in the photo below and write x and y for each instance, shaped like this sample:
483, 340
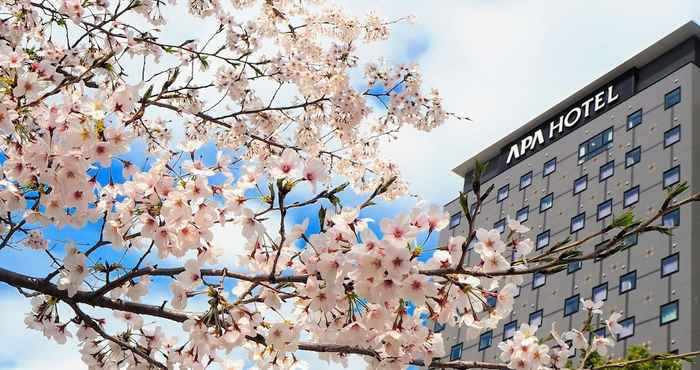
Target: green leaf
626, 219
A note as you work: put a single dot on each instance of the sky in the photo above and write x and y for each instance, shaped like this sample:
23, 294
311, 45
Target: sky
499, 62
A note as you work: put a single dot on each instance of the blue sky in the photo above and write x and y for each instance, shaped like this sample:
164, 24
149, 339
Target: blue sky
500, 62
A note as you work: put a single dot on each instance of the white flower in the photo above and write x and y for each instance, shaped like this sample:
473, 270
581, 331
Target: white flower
612, 323
593, 307
489, 242
516, 226
601, 344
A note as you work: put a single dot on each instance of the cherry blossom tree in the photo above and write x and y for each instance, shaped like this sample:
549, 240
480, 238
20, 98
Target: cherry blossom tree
262, 110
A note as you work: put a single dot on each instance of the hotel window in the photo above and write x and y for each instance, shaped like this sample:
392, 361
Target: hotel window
672, 98
669, 265
437, 327
500, 225
549, 167
485, 340
633, 157
634, 119
542, 239
600, 293
502, 193
578, 222
456, 352
606, 171
600, 332
672, 176
535, 319
672, 136
627, 328
455, 219
602, 246
671, 219
546, 202
571, 305
630, 240
573, 266
669, 313
595, 145
538, 280
509, 329
628, 282
522, 214
525, 180
605, 209
491, 300
580, 184
630, 197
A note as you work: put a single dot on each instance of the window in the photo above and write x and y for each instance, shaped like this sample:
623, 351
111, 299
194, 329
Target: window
600, 293
672, 136
491, 300
571, 305
672, 98
578, 222
634, 119
600, 332
669, 265
522, 214
549, 167
633, 157
538, 279
595, 145
456, 352
672, 218
455, 219
500, 225
502, 193
600, 249
437, 327
605, 209
542, 239
546, 202
580, 184
517, 294
509, 329
631, 197
672, 176
535, 319
606, 171
573, 267
630, 240
485, 340
628, 282
669, 313
627, 328
525, 180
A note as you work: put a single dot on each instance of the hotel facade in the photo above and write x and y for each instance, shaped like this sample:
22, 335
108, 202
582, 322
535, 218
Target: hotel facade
614, 145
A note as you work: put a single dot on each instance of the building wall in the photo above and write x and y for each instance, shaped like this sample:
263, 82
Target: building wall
652, 290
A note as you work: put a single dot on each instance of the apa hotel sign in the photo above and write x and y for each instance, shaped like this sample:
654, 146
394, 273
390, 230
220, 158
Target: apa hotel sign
569, 119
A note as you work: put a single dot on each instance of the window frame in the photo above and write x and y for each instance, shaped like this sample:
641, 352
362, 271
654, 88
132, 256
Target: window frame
667, 132
603, 203
571, 223
459, 219
502, 225
674, 256
526, 209
600, 170
576, 298
605, 137
461, 348
624, 277
634, 189
534, 278
630, 153
661, 310
634, 328
488, 333
585, 184
670, 170
541, 235
514, 324
526, 175
598, 287
544, 167
498, 193
673, 103
539, 313
551, 203
674, 215
632, 235
437, 327
641, 118
571, 270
